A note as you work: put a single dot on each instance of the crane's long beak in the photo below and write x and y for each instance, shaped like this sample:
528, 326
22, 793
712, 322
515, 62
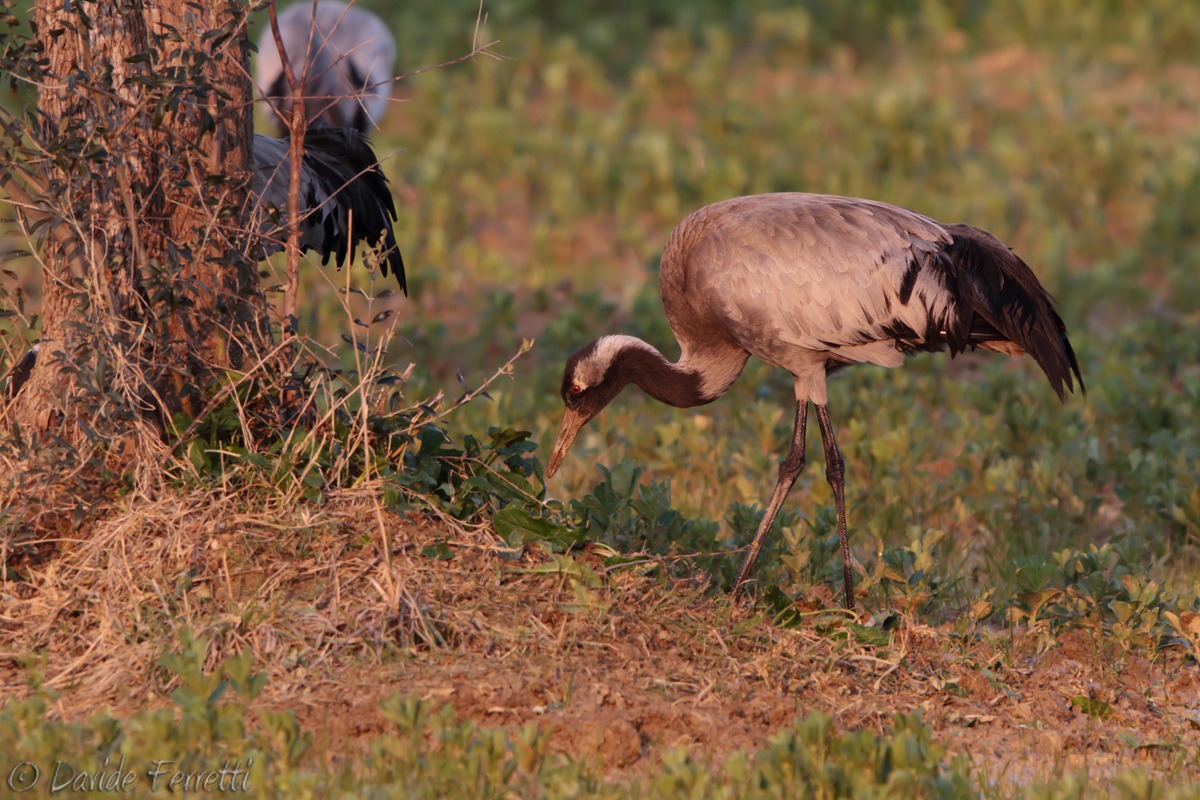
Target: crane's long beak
572, 422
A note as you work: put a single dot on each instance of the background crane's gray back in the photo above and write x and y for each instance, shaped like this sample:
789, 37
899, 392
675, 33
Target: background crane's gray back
349, 53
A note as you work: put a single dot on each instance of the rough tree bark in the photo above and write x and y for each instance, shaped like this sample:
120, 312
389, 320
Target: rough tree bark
146, 123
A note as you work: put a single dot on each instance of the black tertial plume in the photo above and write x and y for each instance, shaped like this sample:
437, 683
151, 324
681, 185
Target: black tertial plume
343, 161
1003, 291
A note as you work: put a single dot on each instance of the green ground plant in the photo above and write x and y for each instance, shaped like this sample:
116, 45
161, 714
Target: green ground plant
208, 745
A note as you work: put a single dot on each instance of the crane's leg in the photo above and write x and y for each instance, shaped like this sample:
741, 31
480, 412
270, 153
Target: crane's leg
835, 473
789, 469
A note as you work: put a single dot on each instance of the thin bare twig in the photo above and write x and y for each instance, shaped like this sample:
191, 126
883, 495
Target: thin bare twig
297, 127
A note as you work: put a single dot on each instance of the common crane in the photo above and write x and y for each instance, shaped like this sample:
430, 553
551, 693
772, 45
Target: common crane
814, 283
347, 54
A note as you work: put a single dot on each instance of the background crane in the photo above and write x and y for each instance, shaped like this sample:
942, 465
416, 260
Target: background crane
344, 56
812, 284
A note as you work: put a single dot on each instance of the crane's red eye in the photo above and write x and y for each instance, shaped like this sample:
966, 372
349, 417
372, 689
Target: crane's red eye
576, 389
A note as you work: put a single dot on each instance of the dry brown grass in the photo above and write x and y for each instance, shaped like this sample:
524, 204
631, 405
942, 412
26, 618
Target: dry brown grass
626, 669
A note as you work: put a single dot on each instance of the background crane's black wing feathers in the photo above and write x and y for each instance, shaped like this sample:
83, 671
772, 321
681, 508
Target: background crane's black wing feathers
1006, 299
346, 167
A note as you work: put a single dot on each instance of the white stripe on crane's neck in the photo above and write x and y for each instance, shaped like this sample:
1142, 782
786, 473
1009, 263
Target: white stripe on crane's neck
591, 371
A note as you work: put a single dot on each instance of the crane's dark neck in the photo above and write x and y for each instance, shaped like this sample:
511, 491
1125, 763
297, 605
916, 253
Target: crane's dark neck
690, 382
659, 378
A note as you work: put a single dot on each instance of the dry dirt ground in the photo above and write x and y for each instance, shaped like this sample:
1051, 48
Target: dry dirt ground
625, 668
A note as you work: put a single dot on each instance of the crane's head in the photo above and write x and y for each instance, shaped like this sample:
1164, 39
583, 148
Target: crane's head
590, 382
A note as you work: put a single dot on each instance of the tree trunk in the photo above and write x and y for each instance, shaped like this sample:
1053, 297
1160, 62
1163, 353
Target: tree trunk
146, 118
133, 176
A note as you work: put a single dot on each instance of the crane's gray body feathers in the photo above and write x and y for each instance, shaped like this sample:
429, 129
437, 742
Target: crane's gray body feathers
813, 282
344, 197
349, 54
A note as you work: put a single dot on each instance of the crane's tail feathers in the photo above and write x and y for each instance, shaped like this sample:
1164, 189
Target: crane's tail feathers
342, 160
1010, 308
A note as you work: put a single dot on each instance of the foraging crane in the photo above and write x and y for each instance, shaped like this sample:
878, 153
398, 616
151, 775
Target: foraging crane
344, 201
344, 56
814, 283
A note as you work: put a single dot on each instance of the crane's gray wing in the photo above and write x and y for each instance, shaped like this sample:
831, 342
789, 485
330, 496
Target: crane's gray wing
824, 274
269, 195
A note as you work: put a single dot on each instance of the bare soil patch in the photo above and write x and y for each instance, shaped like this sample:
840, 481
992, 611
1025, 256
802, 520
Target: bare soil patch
626, 669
